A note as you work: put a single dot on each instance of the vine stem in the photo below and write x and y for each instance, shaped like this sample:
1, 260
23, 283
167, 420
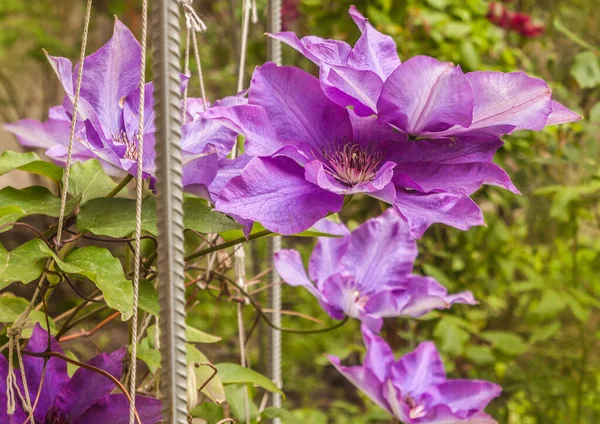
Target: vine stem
120, 186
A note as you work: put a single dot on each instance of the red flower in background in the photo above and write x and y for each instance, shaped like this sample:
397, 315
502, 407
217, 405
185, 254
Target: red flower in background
514, 21
289, 13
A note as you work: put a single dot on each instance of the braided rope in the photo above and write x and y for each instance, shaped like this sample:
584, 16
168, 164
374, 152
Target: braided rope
139, 186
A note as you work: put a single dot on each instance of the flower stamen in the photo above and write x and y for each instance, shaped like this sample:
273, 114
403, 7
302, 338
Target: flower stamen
351, 163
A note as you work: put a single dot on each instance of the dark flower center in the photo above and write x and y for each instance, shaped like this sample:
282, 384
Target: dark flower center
54, 416
416, 410
352, 163
131, 150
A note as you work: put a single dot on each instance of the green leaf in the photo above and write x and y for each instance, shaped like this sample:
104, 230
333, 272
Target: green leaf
148, 298
508, 343
586, 70
193, 335
23, 264
559, 26
286, 416
235, 399
11, 307
481, 355
214, 388
103, 269
452, 338
236, 374
545, 332
115, 217
551, 303
89, 180
29, 162
150, 356
35, 200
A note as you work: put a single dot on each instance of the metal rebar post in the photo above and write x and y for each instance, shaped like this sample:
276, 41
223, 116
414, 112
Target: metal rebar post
169, 208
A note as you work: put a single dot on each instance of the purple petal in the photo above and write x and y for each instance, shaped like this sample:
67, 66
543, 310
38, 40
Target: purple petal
109, 75
19, 417
508, 99
33, 133
460, 179
380, 252
199, 172
423, 94
114, 409
316, 49
466, 149
464, 395
297, 108
197, 135
251, 121
373, 51
56, 372
228, 168
289, 266
87, 387
338, 296
422, 210
418, 370
325, 257
131, 111
379, 358
441, 414
349, 87
315, 173
561, 114
273, 191
427, 294
363, 379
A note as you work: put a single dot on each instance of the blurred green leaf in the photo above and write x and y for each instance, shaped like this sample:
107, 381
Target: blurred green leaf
235, 374
586, 70
29, 162
508, 343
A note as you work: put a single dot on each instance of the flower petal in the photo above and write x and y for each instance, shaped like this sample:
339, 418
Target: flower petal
114, 409
418, 370
19, 417
421, 210
441, 414
349, 87
56, 376
317, 49
87, 387
325, 257
379, 358
380, 252
373, 51
424, 94
273, 191
464, 395
297, 108
561, 115
289, 266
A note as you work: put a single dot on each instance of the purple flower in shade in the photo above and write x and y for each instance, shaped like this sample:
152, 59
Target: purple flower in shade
423, 96
310, 152
366, 274
414, 389
350, 76
84, 398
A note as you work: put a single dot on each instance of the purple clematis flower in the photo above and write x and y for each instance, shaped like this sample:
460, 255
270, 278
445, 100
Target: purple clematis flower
310, 152
414, 389
350, 76
366, 274
83, 398
423, 96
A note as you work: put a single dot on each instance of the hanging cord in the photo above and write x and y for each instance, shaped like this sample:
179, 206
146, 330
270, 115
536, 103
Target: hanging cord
275, 354
66, 174
247, 7
139, 190
193, 24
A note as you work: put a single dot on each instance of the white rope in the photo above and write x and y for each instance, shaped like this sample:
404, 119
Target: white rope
240, 278
65, 181
193, 24
247, 6
275, 351
139, 186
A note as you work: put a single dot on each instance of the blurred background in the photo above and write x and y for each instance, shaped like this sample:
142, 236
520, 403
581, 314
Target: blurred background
535, 268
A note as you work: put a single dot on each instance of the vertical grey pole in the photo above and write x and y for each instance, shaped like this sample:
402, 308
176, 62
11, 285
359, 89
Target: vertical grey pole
167, 98
274, 52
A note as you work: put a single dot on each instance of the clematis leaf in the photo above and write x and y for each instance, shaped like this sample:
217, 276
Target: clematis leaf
193, 335
104, 270
284, 415
508, 343
148, 298
23, 264
11, 307
29, 162
236, 374
88, 180
214, 388
35, 200
235, 399
115, 217
148, 355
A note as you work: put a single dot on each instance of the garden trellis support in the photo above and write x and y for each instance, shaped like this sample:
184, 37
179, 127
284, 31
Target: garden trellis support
167, 97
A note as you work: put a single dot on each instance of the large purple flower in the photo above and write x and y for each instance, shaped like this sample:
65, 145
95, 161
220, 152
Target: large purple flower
366, 274
310, 153
83, 398
350, 76
414, 389
423, 96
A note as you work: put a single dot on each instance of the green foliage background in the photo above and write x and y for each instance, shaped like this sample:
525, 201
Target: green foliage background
535, 268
